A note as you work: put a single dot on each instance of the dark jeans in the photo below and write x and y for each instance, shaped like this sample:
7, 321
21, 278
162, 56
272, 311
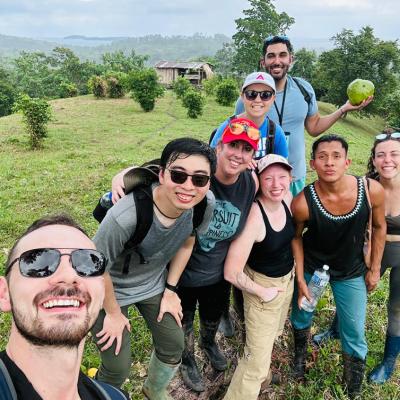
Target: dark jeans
212, 300
391, 258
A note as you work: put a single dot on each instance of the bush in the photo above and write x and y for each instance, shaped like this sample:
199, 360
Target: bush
226, 92
7, 98
98, 86
181, 86
392, 108
36, 114
68, 89
210, 84
194, 102
116, 85
145, 87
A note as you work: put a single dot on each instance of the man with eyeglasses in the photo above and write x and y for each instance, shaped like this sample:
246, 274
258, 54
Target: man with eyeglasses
295, 106
140, 276
54, 289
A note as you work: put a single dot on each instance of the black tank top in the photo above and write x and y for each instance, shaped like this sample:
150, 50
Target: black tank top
335, 240
273, 256
393, 225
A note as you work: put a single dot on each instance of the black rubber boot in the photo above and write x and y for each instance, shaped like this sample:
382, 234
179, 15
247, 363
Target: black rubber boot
189, 369
225, 325
331, 333
208, 330
353, 375
300, 352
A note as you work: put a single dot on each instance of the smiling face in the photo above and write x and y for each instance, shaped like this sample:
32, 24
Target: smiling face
183, 196
387, 159
277, 60
275, 182
257, 108
58, 309
330, 161
233, 158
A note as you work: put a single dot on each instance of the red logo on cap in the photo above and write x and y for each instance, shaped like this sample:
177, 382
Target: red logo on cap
260, 77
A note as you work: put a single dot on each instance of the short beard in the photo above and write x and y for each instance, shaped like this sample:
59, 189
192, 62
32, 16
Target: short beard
66, 334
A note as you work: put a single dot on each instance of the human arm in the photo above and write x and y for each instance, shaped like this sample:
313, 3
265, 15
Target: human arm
239, 251
377, 195
316, 124
114, 322
118, 186
110, 239
300, 214
170, 301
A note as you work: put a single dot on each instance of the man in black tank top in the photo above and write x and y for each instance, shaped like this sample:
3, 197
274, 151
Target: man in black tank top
335, 211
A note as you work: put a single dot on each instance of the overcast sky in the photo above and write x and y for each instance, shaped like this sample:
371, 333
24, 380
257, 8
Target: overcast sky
314, 18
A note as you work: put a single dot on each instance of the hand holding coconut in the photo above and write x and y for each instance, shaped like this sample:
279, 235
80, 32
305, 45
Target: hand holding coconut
360, 93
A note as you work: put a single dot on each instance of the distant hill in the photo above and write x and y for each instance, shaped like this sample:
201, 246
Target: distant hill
157, 47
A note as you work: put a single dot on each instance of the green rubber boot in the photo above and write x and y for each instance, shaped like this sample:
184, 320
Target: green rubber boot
158, 378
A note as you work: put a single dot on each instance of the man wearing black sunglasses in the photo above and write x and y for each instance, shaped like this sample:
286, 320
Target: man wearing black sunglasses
139, 276
54, 289
295, 106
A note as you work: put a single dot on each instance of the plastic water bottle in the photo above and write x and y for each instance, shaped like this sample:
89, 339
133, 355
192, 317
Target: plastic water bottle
106, 201
316, 288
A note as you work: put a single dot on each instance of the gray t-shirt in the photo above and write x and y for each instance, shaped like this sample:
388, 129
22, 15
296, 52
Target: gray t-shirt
158, 247
295, 111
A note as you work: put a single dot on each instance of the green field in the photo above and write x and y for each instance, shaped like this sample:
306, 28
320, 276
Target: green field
89, 141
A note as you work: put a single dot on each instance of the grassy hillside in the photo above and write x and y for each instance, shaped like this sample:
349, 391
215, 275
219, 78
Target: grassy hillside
89, 141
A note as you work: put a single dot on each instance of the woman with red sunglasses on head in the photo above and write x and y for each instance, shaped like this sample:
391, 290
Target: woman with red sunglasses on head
258, 95
202, 282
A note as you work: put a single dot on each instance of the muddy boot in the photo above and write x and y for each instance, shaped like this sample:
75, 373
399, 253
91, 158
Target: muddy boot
159, 376
382, 372
300, 352
353, 375
189, 370
331, 333
208, 330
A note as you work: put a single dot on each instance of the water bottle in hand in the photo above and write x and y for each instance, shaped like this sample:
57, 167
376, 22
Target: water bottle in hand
316, 288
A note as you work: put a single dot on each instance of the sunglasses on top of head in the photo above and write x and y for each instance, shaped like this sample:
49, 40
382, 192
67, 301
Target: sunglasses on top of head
237, 128
388, 136
43, 262
273, 38
181, 177
265, 95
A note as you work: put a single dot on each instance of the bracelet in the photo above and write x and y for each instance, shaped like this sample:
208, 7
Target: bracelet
342, 113
172, 288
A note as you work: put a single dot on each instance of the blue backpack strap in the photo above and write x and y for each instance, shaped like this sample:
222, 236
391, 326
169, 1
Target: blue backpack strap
7, 388
108, 391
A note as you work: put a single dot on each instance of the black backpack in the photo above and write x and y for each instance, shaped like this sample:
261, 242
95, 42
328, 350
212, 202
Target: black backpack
7, 389
306, 95
138, 181
270, 138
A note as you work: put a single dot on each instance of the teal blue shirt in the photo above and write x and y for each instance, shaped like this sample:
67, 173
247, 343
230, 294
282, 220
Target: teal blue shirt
295, 111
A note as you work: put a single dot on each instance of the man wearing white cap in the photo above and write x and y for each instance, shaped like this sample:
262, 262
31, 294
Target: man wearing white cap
295, 106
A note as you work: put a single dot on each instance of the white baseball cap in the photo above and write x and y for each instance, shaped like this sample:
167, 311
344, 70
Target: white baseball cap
271, 159
259, 77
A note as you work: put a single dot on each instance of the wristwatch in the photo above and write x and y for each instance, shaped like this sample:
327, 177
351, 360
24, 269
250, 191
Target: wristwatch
172, 288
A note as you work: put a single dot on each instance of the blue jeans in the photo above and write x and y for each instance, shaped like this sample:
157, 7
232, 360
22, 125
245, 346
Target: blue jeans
351, 305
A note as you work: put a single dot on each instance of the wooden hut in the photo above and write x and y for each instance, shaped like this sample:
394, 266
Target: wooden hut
195, 71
